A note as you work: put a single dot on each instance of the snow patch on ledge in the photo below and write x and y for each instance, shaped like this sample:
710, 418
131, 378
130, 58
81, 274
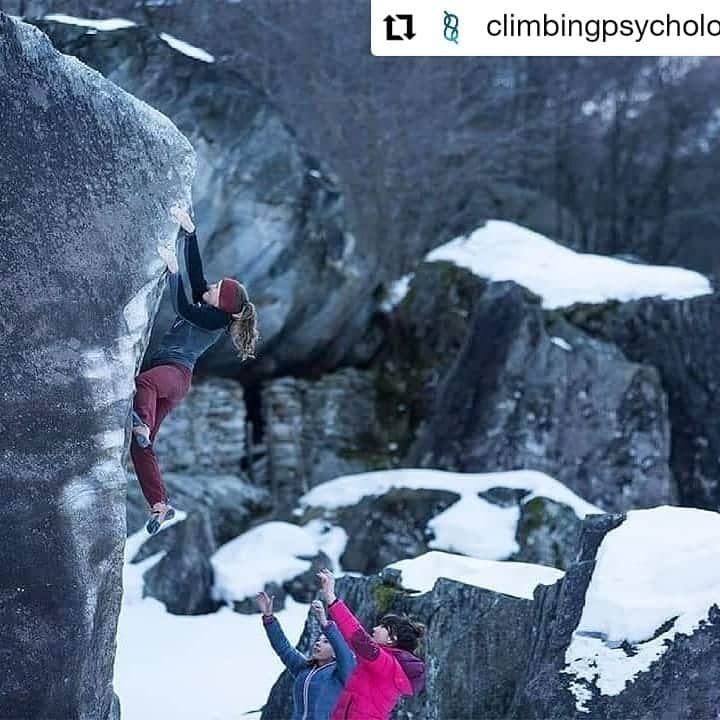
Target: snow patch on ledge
187, 49
562, 277
102, 25
510, 578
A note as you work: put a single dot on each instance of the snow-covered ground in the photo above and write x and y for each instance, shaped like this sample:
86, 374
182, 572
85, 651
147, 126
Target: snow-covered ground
220, 666
659, 565
471, 526
209, 667
502, 250
510, 578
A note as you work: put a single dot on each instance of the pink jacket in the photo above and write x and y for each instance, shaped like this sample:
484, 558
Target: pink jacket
382, 674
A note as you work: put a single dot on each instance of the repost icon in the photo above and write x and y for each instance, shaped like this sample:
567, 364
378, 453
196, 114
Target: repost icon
451, 27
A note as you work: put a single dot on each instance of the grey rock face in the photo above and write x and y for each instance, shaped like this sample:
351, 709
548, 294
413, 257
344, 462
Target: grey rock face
206, 432
382, 530
231, 502
88, 173
183, 579
679, 337
516, 398
316, 431
423, 336
548, 533
267, 213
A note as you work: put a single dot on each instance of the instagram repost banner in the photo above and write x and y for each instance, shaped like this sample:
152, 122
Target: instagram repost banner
534, 27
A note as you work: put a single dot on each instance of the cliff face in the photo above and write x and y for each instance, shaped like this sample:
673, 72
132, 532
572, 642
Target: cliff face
88, 174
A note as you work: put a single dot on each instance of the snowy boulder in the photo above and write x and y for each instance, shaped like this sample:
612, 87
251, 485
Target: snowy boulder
267, 213
87, 177
633, 630
528, 390
680, 338
278, 558
395, 514
478, 617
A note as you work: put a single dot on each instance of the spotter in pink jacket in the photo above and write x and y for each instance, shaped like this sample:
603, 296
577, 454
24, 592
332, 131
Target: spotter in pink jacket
383, 674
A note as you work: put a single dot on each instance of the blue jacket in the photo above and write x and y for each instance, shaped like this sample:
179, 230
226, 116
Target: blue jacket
315, 690
198, 325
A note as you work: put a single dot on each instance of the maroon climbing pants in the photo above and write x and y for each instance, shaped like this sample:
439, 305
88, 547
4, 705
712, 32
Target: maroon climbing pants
157, 391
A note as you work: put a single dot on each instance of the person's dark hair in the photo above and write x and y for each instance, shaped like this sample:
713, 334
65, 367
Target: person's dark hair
243, 327
404, 629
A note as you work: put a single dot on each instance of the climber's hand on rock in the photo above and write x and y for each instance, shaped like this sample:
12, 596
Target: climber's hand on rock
181, 215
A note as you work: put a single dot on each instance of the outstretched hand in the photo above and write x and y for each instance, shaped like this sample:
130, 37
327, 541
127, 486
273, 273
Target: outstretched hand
318, 610
181, 215
265, 603
327, 585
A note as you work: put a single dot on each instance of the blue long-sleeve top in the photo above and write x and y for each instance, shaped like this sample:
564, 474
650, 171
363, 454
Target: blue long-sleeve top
316, 690
198, 326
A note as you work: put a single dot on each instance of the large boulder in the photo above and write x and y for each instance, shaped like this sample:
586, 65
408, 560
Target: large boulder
632, 630
680, 338
267, 213
88, 174
528, 390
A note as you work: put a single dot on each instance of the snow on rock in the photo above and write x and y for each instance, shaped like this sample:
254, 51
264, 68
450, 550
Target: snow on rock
561, 343
120, 24
456, 529
502, 250
471, 526
331, 539
510, 578
350, 489
271, 552
656, 576
266, 553
103, 25
187, 49
397, 292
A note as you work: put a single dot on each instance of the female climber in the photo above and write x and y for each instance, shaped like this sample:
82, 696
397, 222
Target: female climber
223, 307
320, 679
387, 667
